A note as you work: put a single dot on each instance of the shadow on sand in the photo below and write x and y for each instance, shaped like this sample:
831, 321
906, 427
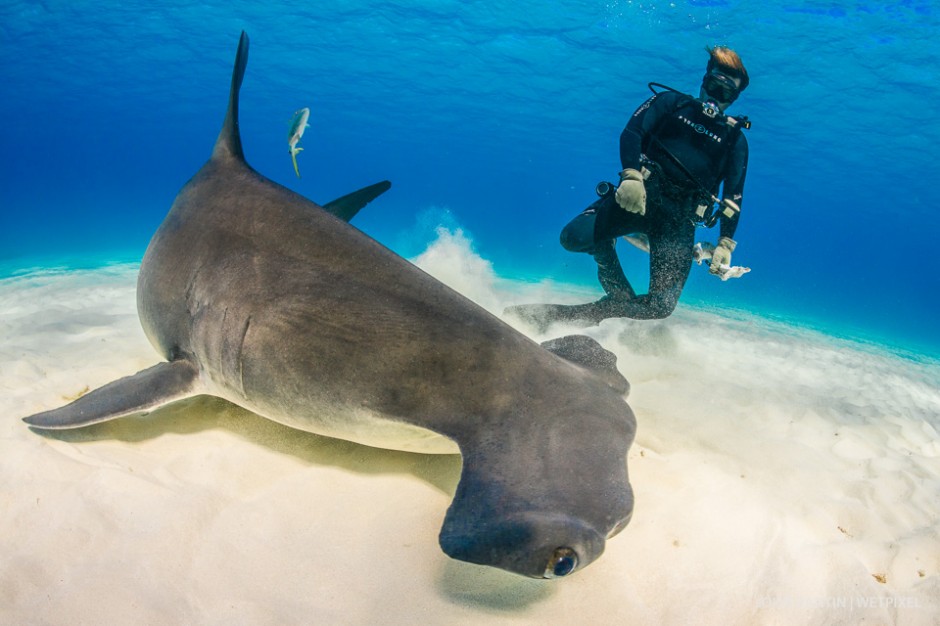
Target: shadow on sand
479, 588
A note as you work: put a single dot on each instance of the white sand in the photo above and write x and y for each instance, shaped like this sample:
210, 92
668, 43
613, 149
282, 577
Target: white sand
777, 473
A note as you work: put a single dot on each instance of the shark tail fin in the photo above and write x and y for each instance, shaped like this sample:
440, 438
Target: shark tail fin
143, 392
229, 143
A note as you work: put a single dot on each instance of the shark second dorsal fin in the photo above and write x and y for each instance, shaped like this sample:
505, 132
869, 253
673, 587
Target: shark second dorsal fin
229, 143
345, 208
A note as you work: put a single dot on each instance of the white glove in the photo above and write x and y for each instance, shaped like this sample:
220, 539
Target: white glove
631, 194
722, 254
733, 272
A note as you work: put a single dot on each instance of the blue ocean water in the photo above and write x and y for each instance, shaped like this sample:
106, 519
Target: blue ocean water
497, 117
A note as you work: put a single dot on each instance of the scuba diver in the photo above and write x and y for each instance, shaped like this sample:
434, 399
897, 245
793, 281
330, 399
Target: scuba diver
676, 152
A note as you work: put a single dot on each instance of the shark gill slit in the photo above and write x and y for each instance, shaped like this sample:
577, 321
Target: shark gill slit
241, 345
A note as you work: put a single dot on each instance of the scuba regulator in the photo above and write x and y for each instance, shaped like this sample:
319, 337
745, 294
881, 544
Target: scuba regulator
709, 107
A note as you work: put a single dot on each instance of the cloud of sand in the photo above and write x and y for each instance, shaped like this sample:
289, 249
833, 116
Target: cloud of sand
781, 476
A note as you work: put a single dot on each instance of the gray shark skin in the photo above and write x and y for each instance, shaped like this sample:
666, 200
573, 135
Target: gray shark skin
257, 295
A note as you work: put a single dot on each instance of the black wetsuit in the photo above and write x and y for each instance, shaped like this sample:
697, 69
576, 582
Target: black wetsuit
711, 151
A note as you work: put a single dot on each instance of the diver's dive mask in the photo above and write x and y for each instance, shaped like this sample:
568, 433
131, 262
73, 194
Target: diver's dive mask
721, 87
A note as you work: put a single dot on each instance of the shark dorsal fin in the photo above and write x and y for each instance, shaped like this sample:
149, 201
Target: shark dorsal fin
229, 143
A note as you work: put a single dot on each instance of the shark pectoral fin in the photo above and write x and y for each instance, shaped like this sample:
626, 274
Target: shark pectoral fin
345, 208
586, 352
143, 392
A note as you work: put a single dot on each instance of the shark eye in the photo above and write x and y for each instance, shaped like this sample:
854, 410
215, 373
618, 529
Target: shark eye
563, 562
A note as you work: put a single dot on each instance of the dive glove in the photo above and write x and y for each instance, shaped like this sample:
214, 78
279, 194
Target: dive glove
631, 194
722, 254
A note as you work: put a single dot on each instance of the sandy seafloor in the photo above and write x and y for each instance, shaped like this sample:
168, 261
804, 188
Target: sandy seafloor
782, 476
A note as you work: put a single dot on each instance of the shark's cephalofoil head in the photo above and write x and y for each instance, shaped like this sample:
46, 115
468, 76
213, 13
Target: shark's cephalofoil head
533, 544
542, 503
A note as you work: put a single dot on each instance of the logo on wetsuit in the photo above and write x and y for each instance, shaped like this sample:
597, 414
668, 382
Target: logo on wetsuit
699, 128
645, 105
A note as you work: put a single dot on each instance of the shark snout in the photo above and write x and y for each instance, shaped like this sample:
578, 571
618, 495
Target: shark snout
537, 545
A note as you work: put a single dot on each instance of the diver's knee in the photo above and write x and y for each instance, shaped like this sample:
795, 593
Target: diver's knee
663, 306
572, 239
578, 234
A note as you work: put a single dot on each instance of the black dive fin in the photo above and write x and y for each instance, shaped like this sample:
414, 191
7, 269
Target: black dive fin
584, 351
345, 208
143, 392
229, 143
542, 316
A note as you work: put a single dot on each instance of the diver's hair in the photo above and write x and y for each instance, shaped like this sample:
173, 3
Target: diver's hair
728, 61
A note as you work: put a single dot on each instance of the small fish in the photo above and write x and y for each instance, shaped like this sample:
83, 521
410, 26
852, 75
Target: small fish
640, 240
298, 125
702, 252
732, 271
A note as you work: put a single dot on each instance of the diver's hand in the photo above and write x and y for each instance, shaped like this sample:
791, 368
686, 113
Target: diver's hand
631, 194
722, 254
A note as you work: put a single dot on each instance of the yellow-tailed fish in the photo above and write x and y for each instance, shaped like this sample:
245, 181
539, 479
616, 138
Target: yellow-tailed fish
298, 125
